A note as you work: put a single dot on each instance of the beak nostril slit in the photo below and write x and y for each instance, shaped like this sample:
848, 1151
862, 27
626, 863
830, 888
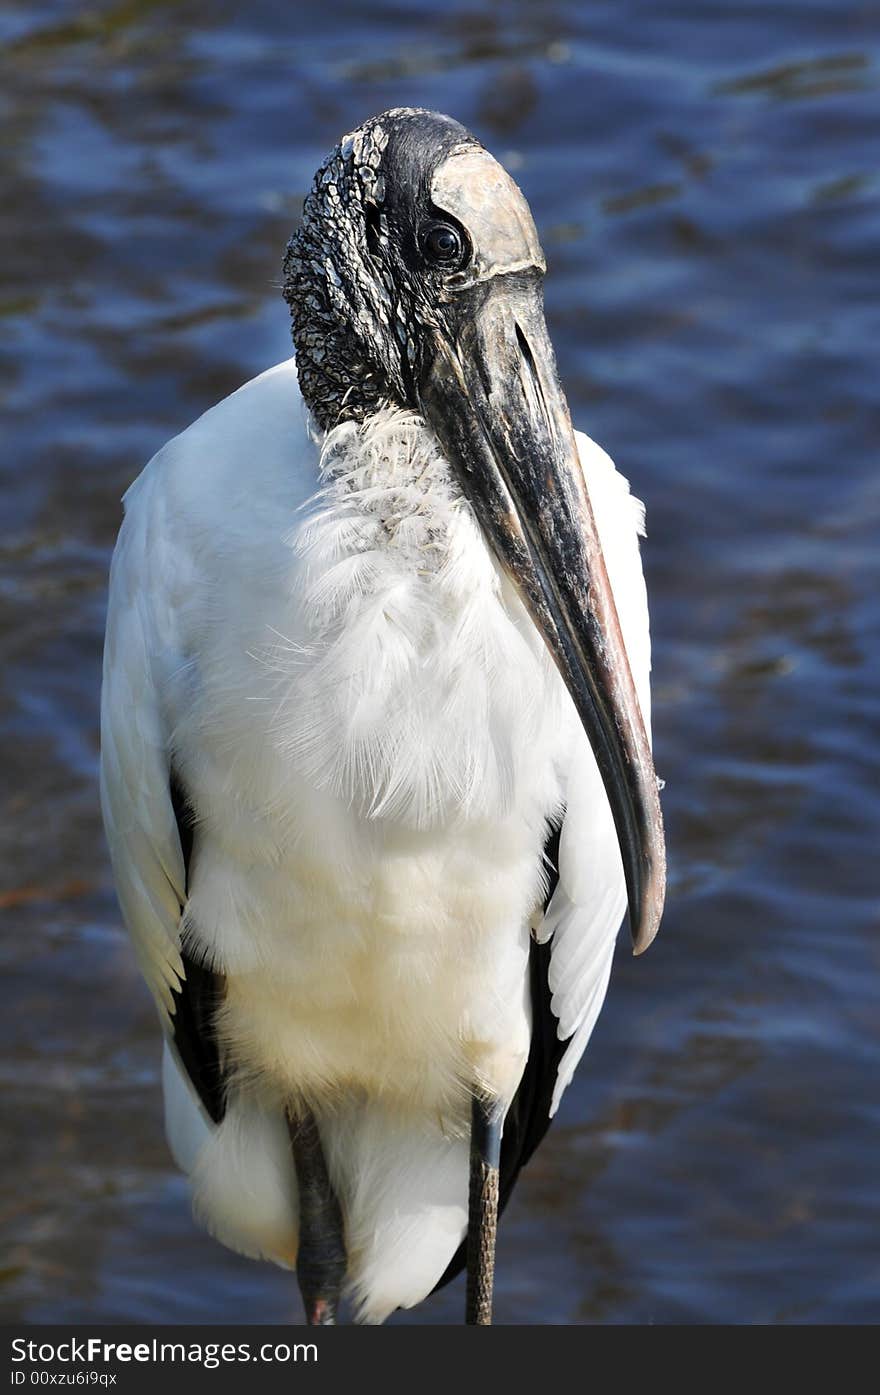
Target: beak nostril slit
525, 349
531, 380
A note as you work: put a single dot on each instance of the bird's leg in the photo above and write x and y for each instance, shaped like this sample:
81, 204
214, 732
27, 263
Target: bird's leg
486, 1124
320, 1261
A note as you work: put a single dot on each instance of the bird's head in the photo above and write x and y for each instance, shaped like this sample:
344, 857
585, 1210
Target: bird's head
416, 280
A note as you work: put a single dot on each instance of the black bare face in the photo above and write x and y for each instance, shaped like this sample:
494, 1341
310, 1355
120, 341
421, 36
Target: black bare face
408, 211
406, 232
368, 235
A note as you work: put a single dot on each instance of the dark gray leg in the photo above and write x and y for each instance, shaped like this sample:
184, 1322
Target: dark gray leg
320, 1261
486, 1124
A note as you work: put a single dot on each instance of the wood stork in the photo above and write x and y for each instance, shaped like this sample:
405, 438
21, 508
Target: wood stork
375, 772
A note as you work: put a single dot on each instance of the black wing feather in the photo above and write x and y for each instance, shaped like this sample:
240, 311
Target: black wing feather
198, 997
528, 1118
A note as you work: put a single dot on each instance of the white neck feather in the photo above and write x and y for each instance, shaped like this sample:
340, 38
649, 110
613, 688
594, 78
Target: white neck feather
425, 684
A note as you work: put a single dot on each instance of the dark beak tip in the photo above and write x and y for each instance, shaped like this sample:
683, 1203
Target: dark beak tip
644, 939
645, 923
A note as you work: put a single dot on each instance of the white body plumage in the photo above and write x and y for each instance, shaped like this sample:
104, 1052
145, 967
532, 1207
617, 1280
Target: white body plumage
372, 737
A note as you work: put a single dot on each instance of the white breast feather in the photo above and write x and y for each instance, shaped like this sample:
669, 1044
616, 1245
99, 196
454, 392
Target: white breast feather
407, 688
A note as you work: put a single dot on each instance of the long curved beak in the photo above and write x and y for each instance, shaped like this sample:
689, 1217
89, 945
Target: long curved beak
492, 394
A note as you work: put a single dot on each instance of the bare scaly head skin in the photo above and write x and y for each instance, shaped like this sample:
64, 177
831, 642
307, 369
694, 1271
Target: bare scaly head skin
357, 283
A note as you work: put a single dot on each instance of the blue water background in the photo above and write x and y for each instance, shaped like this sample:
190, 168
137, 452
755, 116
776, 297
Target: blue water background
705, 181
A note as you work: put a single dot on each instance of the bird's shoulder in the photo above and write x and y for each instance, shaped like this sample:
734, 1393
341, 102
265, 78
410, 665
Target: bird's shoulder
252, 457
620, 522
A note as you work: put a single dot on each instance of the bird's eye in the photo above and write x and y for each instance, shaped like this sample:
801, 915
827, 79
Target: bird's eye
442, 245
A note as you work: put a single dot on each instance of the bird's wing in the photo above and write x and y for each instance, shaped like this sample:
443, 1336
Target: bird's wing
189, 509
148, 830
587, 906
139, 817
